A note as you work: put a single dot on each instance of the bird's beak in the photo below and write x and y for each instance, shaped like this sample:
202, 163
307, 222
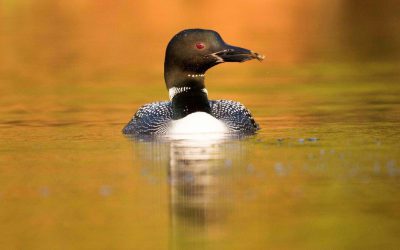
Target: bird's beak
236, 54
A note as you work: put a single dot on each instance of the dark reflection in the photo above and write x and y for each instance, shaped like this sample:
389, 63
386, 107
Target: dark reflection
196, 174
199, 178
200, 174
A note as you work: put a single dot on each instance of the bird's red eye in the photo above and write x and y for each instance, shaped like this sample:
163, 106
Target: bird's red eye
200, 45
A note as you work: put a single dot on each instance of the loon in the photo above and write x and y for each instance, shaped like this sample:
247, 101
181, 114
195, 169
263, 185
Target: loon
189, 54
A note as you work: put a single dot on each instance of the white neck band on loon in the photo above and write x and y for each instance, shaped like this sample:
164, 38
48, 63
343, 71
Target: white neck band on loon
176, 90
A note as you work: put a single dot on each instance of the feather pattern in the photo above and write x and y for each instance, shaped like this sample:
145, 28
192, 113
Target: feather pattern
155, 118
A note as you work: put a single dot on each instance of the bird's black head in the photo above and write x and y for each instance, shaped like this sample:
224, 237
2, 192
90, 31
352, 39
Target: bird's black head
190, 53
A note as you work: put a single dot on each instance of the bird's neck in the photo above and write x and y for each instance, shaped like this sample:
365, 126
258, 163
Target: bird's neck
189, 101
187, 92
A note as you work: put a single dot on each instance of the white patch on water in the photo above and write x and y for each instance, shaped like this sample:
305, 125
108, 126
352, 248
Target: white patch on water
198, 125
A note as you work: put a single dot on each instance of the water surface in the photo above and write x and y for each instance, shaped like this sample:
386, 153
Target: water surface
323, 171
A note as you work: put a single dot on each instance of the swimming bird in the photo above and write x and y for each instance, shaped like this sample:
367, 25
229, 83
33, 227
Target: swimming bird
189, 54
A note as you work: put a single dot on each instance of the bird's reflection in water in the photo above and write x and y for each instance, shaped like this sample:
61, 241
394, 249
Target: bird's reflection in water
200, 177
200, 174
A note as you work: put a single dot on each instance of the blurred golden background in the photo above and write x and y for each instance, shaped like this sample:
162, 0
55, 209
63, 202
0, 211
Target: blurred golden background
43, 41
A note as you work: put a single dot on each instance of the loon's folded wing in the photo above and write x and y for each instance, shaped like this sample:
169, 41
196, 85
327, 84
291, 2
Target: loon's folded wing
234, 115
150, 119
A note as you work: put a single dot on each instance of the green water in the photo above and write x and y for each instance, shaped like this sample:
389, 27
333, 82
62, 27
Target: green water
323, 173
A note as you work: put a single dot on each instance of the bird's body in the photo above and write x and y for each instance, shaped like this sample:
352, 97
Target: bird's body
157, 119
189, 54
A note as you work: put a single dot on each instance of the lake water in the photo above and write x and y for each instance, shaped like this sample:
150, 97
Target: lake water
322, 173
323, 170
